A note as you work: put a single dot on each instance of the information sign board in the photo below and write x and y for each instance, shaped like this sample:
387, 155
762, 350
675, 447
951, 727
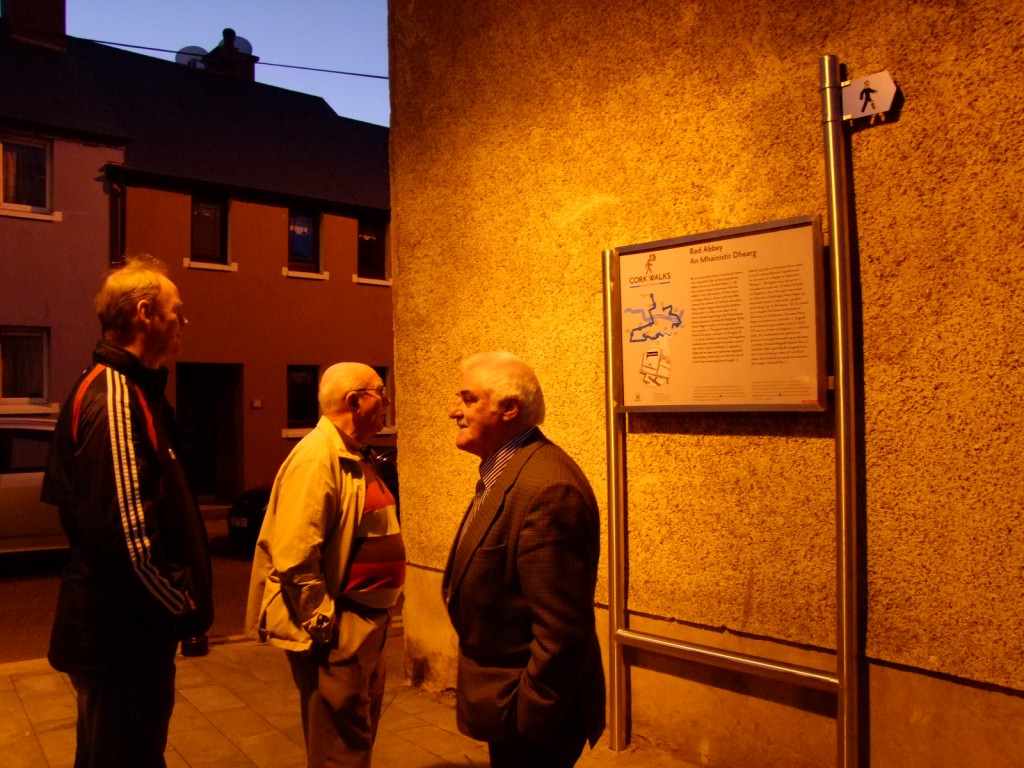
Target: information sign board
731, 320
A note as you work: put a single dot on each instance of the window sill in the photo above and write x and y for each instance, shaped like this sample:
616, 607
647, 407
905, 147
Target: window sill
25, 407
17, 213
305, 275
209, 265
301, 432
370, 281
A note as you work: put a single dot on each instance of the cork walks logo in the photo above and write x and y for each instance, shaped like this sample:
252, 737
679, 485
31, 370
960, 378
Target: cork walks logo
650, 275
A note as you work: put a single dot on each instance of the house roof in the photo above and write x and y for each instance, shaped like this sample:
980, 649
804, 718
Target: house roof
186, 125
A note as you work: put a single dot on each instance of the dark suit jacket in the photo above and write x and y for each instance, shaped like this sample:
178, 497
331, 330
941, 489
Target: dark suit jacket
520, 590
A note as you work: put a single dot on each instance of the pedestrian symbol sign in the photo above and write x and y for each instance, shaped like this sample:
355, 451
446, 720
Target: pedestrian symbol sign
869, 96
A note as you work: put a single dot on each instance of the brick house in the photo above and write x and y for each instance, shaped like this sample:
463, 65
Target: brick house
270, 210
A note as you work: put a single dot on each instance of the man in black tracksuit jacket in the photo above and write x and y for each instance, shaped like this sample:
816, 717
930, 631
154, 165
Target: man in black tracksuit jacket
139, 575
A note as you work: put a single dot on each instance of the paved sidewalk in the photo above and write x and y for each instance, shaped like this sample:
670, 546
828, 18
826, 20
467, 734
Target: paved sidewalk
237, 708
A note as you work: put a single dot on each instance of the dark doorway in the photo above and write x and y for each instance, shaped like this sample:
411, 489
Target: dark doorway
209, 406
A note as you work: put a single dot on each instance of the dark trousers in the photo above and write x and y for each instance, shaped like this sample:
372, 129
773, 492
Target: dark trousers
123, 715
560, 752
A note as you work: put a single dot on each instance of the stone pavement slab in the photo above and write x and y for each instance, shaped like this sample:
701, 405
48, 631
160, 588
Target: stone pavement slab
237, 708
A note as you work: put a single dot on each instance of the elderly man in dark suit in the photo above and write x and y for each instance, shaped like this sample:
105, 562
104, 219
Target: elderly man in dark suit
520, 578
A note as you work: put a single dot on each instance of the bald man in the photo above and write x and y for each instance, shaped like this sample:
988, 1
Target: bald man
329, 565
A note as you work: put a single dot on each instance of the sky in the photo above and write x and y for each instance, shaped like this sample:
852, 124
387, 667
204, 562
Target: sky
342, 35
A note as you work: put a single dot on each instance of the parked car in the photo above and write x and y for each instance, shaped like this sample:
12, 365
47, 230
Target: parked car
26, 523
387, 466
245, 518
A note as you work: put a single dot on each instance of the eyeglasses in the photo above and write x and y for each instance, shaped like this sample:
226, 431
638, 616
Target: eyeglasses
381, 391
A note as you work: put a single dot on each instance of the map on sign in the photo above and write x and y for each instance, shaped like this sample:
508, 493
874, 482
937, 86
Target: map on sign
655, 323
724, 321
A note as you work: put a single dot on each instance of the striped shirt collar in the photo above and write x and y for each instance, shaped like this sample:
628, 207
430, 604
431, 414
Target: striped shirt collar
490, 469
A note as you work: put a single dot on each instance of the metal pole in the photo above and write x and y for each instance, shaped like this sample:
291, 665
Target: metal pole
618, 706
848, 624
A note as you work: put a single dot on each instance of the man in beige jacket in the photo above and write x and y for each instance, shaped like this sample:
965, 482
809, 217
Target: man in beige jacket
328, 567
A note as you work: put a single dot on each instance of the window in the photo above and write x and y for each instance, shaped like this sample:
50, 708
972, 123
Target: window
303, 406
303, 241
24, 175
372, 263
23, 363
209, 230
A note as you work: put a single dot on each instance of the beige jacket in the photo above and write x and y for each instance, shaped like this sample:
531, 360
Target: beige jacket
304, 546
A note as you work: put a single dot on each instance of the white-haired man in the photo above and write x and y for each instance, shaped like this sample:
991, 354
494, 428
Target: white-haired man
520, 578
329, 565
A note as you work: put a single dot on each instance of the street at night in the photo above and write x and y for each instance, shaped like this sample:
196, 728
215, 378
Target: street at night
29, 583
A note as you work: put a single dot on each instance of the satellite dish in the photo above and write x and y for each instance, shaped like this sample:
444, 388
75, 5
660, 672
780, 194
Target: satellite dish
191, 56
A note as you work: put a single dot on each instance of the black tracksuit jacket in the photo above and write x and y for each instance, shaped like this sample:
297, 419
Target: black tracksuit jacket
139, 575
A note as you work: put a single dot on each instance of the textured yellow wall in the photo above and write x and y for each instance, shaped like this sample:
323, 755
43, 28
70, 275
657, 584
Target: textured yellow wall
528, 136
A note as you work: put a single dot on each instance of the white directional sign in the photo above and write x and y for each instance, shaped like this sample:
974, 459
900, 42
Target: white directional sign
868, 96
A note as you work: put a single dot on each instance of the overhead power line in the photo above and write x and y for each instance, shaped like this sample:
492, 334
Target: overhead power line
264, 63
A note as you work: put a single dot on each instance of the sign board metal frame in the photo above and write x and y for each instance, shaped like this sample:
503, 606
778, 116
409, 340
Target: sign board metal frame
850, 674
731, 320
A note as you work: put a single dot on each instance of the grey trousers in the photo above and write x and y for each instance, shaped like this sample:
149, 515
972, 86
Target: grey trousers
341, 697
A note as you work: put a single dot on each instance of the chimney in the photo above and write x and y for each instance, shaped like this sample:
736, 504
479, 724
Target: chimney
36, 21
232, 57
